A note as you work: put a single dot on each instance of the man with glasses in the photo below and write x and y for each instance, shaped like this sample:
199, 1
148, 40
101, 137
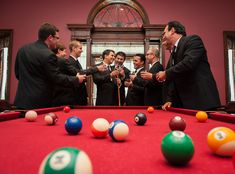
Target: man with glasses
153, 88
37, 70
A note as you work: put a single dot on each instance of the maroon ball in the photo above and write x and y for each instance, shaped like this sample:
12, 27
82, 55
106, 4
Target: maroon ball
51, 118
177, 123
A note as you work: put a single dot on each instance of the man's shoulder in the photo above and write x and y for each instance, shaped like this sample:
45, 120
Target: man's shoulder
191, 38
98, 64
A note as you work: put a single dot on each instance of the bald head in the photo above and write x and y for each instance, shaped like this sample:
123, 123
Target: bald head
152, 55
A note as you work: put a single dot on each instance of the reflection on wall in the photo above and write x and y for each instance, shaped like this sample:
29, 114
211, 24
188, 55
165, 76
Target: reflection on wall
3, 72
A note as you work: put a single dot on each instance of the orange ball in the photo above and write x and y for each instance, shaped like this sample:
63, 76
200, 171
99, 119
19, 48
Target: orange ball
201, 116
221, 141
150, 109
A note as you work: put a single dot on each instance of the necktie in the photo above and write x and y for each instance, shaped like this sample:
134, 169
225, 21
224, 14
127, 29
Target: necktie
173, 55
79, 65
109, 68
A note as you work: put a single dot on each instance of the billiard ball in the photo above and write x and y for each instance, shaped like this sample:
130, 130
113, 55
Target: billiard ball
31, 115
100, 127
150, 109
221, 141
73, 125
66, 109
118, 130
177, 148
177, 123
140, 119
201, 116
66, 160
51, 118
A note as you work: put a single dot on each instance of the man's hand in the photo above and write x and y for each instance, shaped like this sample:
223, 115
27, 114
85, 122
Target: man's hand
119, 82
114, 73
161, 76
132, 77
166, 105
101, 68
122, 72
128, 84
81, 78
146, 75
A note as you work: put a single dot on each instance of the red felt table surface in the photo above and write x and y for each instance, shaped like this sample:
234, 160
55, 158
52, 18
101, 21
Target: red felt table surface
24, 144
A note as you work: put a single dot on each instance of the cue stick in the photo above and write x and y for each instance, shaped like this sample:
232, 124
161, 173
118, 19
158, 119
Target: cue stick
119, 100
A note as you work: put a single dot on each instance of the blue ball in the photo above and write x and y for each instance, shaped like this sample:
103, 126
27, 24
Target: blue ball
118, 130
73, 125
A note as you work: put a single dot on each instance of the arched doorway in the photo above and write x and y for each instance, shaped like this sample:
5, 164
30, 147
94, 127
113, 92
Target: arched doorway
121, 25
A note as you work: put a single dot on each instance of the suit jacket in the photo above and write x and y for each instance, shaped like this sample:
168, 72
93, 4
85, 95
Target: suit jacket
193, 82
37, 71
135, 94
153, 88
106, 88
64, 95
79, 93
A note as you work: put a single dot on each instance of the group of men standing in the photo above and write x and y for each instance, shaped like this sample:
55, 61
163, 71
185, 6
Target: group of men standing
112, 82
111, 78
49, 79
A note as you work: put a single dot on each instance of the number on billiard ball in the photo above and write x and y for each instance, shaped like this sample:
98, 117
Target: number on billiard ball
177, 123
66, 160
140, 119
118, 130
221, 141
177, 148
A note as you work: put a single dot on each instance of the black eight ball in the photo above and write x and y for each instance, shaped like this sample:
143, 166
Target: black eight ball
140, 119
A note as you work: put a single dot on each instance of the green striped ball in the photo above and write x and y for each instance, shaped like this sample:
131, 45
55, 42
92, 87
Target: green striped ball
66, 160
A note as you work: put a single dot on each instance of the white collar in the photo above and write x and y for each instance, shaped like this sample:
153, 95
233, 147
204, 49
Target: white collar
75, 58
176, 43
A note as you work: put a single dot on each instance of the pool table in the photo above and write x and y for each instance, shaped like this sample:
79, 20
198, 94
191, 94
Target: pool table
24, 144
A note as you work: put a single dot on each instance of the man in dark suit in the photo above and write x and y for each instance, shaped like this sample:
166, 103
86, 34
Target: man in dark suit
37, 71
135, 94
107, 81
153, 88
124, 74
191, 80
63, 95
80, 93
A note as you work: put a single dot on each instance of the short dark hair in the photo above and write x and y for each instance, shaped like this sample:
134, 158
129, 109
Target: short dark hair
106, 52
58, 47
45, 30
179, 28
142, 57
120, 53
